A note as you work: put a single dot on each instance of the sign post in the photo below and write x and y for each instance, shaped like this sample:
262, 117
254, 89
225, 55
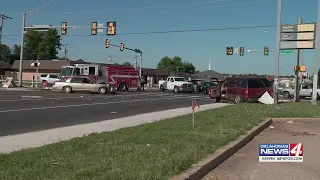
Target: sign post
194, 105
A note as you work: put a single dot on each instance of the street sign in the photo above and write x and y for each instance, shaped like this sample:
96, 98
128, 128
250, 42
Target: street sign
296, 45
297, 36
100, 28
287, 51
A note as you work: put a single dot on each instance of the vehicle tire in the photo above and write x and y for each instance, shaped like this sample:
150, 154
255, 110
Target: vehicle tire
67, 89
218, 100
102, 90
176, 90
238, 99
286, 94
162, 88
138, 89
44, 83
122, 87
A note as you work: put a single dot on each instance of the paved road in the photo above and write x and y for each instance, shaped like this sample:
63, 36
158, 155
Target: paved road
22, 112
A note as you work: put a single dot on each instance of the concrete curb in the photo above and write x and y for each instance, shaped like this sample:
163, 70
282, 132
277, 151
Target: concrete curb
202, 168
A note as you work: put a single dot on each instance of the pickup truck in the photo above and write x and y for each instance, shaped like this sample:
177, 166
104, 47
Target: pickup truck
305, 91
176, 84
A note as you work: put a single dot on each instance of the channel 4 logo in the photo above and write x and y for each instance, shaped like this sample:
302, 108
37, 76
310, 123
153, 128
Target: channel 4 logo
292, 152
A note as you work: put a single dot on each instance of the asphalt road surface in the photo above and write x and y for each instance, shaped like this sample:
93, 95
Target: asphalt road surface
27, 111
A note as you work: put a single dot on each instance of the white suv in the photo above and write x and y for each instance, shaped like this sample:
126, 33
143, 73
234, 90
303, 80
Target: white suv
50, 78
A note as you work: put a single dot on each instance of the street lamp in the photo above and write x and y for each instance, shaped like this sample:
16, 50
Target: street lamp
24, 18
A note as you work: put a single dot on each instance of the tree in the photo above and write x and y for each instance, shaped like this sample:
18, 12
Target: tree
175, 64
5, 53
42, 45
127, 64
15, 53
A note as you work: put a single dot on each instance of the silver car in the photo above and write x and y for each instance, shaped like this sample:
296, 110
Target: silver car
81, 83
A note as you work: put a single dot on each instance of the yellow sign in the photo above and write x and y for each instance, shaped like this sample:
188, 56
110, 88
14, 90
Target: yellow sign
306, 27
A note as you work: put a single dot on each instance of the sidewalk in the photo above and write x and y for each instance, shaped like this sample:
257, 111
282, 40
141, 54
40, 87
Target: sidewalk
245, 163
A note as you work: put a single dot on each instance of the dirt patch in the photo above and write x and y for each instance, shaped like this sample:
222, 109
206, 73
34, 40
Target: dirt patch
244, 165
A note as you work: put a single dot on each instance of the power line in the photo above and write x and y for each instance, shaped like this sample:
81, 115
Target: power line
165, 6
135, 8
176, 31
85, 49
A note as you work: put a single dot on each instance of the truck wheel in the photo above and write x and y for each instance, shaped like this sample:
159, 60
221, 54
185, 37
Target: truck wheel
67, 89
218, 100
122, 87
162, 88
286, 94
176, 90
102, 90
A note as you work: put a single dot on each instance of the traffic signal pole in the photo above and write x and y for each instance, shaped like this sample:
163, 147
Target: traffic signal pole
276, 59
136, 51
297, 84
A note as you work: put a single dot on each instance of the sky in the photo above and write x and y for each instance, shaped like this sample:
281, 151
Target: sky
196, 47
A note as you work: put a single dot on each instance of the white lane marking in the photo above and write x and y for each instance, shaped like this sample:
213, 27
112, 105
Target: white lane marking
33, 97
76, 97
80, 105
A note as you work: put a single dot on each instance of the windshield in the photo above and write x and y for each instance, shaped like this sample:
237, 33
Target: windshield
93, 80
179, 79
258, 83
66, 71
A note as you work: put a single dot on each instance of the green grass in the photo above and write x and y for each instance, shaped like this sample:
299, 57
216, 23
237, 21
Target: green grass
152, 151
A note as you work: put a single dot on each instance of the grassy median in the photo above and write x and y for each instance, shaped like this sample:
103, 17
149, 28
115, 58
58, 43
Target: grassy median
151, 151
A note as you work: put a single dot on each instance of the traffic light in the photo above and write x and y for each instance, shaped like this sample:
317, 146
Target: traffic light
64, 28
112, 30
266, 50
230, 50
300, 68
241, 51
94, 28
121, 47
107, 43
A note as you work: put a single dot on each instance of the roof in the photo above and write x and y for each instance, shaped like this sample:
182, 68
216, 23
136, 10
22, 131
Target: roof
44, 64
160, 72
208, 74
4, 65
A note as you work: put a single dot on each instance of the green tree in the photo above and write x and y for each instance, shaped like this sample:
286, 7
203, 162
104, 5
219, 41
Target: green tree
175, 64
5, 53
42, 45
15, 53
127, 64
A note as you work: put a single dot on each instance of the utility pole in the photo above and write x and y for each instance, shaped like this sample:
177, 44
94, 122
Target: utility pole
65, 51
316, 60
140, 73
25, 16
136, 62
2, 18
276, 60
297, 85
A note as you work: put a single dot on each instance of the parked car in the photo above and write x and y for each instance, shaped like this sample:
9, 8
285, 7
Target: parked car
245, 88
81, 83
305, 91
176, 84
48, 78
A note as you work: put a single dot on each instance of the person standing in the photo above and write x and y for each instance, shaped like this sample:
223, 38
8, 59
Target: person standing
142, 82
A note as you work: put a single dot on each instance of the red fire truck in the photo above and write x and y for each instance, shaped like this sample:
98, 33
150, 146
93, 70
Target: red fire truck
120, 77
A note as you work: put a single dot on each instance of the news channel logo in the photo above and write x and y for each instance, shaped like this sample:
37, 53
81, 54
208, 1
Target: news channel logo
292, 152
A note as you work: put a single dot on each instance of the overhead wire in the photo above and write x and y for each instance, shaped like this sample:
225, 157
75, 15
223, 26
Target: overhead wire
175, 31
165, 6
135, 8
